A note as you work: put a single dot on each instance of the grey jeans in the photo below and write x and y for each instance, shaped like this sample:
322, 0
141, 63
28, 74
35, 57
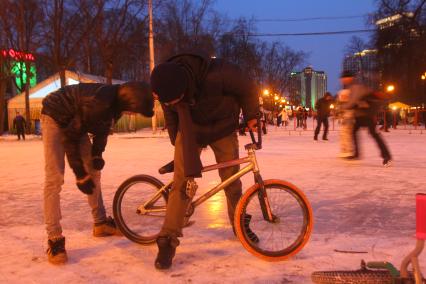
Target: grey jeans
54, 159
224, 149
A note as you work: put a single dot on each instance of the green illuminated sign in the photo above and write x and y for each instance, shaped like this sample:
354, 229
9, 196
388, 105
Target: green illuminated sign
19, 69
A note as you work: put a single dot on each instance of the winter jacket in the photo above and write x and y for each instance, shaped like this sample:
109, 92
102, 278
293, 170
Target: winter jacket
81, 109
363, 100
216, 93
323, 107
19, 123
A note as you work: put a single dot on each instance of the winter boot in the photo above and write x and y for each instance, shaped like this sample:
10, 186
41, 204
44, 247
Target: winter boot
106, 228
56, 253
166, 252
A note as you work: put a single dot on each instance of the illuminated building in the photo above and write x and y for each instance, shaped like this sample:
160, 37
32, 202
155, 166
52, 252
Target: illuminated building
307, 86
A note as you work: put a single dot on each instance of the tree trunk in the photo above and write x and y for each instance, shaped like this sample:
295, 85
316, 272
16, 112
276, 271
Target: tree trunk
3, 84
27, 99
108, 73
62, 77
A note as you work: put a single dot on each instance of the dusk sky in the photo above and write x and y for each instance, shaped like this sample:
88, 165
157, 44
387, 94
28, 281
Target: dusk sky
326, 51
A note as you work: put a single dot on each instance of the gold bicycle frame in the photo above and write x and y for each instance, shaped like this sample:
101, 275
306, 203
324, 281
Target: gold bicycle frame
251, 167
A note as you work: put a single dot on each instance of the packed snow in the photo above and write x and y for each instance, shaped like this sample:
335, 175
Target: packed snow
358, 207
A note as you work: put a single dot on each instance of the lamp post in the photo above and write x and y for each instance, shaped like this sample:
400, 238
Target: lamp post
157, 105
390, 88
423, 78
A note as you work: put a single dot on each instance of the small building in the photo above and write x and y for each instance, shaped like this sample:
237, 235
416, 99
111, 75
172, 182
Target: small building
128, 122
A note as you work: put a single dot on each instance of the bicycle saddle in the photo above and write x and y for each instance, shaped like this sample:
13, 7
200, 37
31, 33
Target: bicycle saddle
168, 168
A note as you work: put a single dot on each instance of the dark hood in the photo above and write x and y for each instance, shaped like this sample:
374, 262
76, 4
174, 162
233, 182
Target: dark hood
196, 66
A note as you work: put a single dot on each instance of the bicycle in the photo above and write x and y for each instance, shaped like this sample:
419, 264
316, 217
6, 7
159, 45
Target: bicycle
281, 215
380, 272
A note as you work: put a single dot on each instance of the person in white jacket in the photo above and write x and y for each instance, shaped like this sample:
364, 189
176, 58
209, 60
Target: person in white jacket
284, 117
347, 116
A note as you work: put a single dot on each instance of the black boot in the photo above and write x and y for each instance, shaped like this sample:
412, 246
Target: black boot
250, 234
166, 252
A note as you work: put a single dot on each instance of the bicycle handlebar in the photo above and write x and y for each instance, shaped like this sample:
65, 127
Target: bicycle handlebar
258, 143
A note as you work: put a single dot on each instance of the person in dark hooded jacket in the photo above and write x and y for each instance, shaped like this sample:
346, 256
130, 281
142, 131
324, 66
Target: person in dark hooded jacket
68, 116
201, 98
19, 125
323, 112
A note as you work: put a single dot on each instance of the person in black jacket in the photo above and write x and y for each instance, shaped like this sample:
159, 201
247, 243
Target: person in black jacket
201, 98
68, 115
323, 112
19, 125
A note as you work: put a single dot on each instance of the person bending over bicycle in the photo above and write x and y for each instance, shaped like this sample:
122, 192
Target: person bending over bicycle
68, 116
201, 98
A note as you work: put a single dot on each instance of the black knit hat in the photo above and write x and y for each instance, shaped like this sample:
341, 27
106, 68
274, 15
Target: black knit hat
169, 81
347, 73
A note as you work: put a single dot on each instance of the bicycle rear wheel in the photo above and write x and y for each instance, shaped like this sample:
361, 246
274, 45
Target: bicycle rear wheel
292, 225
139, 220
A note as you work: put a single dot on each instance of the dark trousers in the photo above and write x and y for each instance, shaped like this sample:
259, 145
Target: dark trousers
225, 149
20, 132
321, 120
371, 125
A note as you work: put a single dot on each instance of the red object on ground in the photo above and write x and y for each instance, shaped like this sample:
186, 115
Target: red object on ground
421, 216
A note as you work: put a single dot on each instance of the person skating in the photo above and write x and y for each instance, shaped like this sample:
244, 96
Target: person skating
346, 116
201, 98
323, 112
365, 103
19, 125
68, 115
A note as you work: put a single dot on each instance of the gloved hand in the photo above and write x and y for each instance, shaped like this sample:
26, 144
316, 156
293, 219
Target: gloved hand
98, 163
86, 185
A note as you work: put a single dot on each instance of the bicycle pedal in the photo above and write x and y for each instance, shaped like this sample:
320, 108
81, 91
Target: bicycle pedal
189, 224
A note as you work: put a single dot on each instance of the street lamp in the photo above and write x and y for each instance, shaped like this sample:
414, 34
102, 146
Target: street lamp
390, 88
266, 92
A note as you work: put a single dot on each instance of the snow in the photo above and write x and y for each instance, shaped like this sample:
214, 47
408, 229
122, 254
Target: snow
359, 206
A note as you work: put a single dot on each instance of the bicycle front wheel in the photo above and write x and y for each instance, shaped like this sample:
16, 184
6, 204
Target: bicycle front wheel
292, 221
139, 208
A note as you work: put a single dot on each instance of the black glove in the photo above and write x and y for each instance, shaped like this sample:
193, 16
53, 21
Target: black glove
98, 163
86, 185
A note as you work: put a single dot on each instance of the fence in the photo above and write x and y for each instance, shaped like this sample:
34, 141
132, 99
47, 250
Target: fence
127, 123
399, 120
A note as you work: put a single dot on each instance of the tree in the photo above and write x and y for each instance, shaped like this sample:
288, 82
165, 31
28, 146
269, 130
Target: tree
184, 26
21, 27
66, 25
278, 61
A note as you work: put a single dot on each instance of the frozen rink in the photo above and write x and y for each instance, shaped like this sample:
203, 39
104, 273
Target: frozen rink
358, 206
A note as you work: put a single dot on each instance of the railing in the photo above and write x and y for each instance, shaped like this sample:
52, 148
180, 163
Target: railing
392, 119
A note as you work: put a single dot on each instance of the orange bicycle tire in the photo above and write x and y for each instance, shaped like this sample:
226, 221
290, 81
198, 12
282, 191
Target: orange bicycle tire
241, 208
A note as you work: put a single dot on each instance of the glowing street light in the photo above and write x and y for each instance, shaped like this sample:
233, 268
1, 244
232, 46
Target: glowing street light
283, 100
331, 106
276, 97
266, 92
390, 88
423, 77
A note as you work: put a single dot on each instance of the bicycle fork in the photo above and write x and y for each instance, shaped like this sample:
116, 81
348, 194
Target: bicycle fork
263, 199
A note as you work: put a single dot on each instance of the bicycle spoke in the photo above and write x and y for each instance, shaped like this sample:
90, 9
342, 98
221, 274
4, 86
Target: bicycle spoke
287, 231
